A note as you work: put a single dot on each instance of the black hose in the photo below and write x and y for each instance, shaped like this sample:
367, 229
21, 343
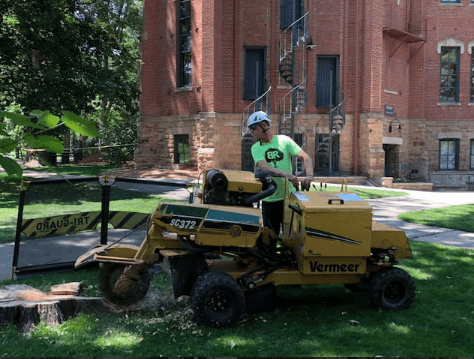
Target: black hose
264, 194
194, 247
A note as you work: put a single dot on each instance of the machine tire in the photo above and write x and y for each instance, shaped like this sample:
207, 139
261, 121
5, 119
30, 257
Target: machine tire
217, 300
391, 288
108, 275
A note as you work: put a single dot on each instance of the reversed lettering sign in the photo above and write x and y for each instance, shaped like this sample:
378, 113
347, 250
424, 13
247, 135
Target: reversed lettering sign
60, 225
73, 223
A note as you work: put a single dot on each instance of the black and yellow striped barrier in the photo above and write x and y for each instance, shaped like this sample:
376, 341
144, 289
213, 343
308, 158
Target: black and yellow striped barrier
78, 222
86, 221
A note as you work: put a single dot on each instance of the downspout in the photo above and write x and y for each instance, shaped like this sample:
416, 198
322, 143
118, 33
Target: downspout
346, 48
236, 51
355, 140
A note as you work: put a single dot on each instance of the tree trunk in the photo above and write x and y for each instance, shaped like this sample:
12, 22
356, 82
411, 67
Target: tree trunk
26, 306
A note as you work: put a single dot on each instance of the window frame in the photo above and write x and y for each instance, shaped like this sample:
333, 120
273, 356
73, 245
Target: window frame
471, 87
321, 85
262, 79
183, 78
456, 154
177, 153
444, 99
471, 166
287, 6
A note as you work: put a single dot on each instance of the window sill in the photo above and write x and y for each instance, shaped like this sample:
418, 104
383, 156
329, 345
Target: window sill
449, 103
184, 89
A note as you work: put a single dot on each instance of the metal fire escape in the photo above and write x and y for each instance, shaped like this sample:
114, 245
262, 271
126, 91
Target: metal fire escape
247, 140
293, 70
326, 135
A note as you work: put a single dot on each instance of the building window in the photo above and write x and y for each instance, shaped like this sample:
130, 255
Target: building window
472, 74
184, 43
254, 73
451, 1
327, 83
181, 149
290, 11
449, 155
449, 75
472, 155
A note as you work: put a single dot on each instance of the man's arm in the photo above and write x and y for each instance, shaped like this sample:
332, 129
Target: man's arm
275, 172
308, 166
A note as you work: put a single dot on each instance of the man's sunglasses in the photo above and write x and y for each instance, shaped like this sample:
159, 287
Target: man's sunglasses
253, 127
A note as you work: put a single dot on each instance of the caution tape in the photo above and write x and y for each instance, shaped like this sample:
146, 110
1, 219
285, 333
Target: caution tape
73, 223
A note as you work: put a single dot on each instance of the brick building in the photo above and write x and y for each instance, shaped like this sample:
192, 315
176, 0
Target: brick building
374, 88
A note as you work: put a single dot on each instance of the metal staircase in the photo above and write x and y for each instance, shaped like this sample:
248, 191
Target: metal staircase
326, 132
247, 140
293, 70
260, 104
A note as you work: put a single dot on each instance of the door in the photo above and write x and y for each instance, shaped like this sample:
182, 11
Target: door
327, 87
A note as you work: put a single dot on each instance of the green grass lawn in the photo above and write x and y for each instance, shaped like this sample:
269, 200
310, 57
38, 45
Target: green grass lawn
452, 217
317, 321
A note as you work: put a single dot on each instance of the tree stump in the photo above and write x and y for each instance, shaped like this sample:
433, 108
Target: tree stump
25, 306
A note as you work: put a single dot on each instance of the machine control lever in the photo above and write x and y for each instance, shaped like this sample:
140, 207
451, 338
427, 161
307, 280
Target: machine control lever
296, 209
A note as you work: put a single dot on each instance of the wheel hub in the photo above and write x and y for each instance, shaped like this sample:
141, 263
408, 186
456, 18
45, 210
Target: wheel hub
124, 286
395, 291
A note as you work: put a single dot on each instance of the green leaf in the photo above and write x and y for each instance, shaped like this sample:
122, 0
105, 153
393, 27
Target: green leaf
80, 125
21, 120
46, 118
29, 138
49, 143
3, 127
7, 145
10, 166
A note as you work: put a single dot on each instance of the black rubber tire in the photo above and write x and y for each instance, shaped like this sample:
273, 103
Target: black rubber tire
391, 288
217, 300
108, 275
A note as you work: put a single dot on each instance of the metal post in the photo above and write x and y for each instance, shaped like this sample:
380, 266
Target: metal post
330, 122
105, 210
19, 222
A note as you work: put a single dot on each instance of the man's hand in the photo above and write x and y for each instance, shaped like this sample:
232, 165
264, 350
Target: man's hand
306, 183
294, 180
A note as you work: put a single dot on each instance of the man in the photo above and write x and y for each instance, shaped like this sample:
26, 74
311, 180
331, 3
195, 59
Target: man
274, 153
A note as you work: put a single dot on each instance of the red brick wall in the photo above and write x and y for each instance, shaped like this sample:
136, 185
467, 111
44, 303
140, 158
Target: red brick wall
388, 71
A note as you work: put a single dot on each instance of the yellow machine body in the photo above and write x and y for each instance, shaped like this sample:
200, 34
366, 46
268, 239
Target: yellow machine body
328, 237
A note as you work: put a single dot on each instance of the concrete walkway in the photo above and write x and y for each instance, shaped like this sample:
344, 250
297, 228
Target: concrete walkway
385, 210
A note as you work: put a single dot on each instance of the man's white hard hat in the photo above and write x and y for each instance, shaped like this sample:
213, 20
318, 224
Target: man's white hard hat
257, 117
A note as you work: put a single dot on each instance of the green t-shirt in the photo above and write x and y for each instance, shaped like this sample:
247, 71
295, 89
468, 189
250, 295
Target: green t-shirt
278, 153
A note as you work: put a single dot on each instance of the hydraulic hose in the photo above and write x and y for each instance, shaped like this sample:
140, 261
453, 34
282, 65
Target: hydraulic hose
264, 194
192, 247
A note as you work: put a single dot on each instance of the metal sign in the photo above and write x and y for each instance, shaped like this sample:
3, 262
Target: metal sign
85, 221
60, 225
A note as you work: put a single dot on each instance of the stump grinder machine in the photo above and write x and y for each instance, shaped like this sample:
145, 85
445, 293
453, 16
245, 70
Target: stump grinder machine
219, 254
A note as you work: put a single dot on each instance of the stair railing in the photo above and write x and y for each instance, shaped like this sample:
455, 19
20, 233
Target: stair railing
255, 106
